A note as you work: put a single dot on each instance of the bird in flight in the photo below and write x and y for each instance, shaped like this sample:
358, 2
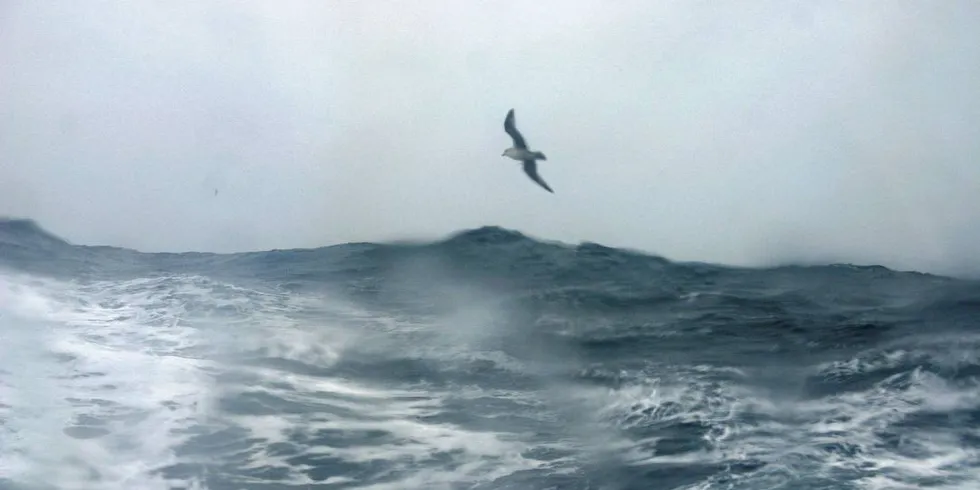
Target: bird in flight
521, 153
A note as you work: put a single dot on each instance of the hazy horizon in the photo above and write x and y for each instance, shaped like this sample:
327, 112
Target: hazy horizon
739, 133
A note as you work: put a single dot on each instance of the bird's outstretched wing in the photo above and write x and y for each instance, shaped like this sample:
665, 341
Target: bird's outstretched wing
513, 132
531, 169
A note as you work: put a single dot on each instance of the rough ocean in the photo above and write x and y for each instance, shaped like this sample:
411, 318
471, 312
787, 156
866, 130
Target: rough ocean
487, 360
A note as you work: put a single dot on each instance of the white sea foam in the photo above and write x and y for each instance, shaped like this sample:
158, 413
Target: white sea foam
113, 384
140, 384
866, 437
97, 383
408, 443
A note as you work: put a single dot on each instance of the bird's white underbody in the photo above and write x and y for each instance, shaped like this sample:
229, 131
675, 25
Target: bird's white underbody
522, 153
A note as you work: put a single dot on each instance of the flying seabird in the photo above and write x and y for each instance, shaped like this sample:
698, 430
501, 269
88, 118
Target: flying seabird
521, 153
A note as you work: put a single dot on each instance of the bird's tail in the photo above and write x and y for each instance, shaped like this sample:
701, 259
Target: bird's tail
539, 156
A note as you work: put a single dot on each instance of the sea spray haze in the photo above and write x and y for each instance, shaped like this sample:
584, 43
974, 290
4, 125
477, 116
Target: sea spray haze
486, 360
777, 132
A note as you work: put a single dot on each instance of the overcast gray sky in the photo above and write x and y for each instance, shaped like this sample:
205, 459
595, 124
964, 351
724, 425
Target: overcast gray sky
741, 132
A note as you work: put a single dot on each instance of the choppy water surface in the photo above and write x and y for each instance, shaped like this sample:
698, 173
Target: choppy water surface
485, 361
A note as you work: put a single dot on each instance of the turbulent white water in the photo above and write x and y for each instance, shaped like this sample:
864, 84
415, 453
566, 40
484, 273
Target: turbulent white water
155, 383
102, 381
185, 381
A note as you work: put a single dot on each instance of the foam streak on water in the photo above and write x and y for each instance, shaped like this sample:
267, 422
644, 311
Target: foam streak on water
183, 382
487, 361
98, 382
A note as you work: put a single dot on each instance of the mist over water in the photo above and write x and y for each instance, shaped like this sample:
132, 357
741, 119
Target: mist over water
484, 360
266, 260
781, 132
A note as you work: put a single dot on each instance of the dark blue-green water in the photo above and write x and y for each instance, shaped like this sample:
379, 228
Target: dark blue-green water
487, 360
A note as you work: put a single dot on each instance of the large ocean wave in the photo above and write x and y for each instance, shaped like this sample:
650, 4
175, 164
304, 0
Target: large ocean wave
485, 360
